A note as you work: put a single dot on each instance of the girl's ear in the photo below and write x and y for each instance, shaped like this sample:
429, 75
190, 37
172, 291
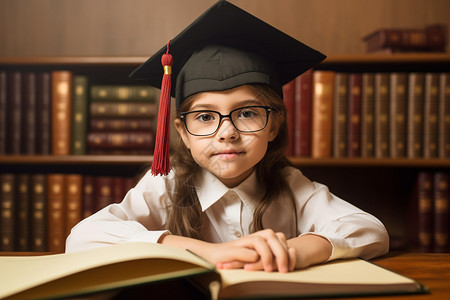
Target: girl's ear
179, 126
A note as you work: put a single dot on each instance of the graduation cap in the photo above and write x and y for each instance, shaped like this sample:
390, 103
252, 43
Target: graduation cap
224, 48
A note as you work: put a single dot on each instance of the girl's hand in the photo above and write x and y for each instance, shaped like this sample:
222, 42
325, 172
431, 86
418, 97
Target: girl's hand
271, 248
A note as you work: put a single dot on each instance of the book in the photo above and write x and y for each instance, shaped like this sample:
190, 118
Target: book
73, 201
29, 114
367, 115
397, 114
44, 114
339, 127
120, 140
123, 93
7, 212
444, 116
61, 112
38, 187
15, 115
112, 268
430, 116
79, 115
381, 114
354, 115
113, 109
441, 199
322, 113
302, 120
424, 211
23, 208
117, 125
56, 233
289, 102
416, 87
3, 112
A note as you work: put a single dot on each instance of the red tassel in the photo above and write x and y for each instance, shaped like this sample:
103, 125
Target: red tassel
161, 163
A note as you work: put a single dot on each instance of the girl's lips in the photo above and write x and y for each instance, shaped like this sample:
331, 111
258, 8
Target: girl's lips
228, 154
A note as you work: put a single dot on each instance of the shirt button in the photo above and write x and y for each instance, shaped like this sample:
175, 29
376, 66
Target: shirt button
237, 234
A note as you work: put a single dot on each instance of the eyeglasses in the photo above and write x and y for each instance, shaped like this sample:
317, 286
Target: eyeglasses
244, 119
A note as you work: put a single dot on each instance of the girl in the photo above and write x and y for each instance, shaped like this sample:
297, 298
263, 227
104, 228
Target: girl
232, 196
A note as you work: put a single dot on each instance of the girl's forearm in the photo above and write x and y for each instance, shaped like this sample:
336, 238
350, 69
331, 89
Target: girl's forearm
311, 249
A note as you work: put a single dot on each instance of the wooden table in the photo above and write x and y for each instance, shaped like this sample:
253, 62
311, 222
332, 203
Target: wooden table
430, 269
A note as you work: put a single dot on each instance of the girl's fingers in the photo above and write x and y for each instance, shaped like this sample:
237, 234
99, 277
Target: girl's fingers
292, 258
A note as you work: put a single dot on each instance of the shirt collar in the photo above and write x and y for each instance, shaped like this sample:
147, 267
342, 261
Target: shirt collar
210, 190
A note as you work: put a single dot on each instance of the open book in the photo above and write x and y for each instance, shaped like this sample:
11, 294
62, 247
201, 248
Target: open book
115, 267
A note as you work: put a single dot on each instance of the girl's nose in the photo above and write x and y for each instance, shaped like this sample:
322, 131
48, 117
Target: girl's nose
227, 131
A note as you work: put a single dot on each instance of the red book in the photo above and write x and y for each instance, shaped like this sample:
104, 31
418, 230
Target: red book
354, 115
302, 120
288, 98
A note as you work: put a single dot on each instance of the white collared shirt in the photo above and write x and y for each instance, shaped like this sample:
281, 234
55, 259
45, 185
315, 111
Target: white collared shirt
141, 216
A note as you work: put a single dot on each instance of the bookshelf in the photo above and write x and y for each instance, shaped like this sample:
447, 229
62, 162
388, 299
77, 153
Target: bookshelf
382, 186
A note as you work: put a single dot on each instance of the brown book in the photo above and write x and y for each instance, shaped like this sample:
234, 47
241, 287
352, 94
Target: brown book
381, 113
114, 124
56, 212
121, 110
354, 115
425, 211
44, 114
29, 114
61, 112
120, 140
416, 86
89, 203
3, 112
123, 93
444, 116
339, 127
397, 114
430, 116
441, 212
74, 201
302, 121
23, 216
289, 102
367, 115
39, 212
118, 189
322, 113
103, 191
15, 116
79, 115
7, 212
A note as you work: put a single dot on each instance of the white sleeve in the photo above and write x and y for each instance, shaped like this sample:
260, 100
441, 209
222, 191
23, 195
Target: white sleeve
138, 218
351, 231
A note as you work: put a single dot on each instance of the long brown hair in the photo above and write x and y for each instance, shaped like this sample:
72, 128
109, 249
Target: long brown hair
185, 216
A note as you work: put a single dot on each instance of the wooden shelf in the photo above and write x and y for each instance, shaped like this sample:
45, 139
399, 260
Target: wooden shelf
403, 58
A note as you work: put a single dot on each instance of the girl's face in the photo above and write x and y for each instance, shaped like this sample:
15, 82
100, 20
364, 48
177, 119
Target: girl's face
229, 154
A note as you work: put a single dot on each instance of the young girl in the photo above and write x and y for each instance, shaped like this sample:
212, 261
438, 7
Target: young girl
232, 196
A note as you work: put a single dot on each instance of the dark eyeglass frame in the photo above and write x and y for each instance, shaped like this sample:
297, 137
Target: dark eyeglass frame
221, 117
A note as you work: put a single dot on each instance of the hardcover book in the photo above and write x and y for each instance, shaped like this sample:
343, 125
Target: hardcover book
340, 105
354, 115
61, 112
367, 115
113, 268
381, 111
302, 121
397, 114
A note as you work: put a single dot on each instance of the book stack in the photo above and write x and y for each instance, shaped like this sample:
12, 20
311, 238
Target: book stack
429, 212
122, 119
38, 211
432, 38
369, 115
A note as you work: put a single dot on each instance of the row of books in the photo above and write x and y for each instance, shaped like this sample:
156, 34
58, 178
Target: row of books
59, 112
370, 115
37, 211
429, 213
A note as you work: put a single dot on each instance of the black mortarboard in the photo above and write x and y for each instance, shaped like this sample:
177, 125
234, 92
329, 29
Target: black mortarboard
224, 48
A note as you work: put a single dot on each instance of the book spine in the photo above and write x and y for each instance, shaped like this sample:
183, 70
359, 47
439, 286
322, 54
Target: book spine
322, 113
397, 114
288, 98
44, 114
430, 117
29, 142
120, 140
416, 87
23, 213
339, 119
120, 110
441, 212
122, 93
39, 213
444, 115
3, 112
61, 112
89, 204
367, 115
56, 212
79, 112
425, 208
15, 113
7, 212
74, 194
354, 115
117, 125
103, 191
381, 110
302, 121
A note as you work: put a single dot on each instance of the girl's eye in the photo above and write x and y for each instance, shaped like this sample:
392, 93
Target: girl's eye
205, 117
245, 114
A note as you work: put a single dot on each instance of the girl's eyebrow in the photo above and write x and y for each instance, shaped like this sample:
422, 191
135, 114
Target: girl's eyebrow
242, 103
